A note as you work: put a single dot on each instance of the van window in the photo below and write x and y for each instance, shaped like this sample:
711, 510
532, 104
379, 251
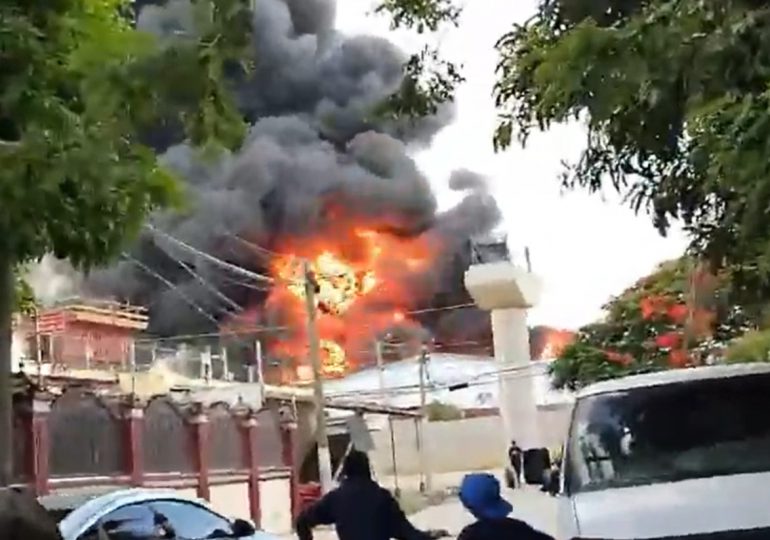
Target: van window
668, 433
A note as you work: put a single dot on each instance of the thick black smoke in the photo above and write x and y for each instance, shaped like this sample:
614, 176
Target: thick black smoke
316, 148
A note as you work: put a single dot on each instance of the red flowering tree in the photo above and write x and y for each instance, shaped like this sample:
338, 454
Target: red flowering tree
678, 316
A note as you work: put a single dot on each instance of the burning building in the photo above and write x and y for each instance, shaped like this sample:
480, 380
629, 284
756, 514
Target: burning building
320, 177
82, 334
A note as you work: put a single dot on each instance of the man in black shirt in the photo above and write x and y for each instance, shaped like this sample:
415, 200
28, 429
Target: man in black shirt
480, 494
516, 460
360, 509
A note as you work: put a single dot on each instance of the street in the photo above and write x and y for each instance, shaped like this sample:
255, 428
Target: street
529, 505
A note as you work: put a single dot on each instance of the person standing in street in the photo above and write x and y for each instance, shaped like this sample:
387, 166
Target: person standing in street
516, 460
480, 495
360, 509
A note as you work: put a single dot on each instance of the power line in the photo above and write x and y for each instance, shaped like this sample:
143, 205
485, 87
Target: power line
216, 292
445, 308
471, 382
256, 247
245, 284
223, 264
241, 332
171, 286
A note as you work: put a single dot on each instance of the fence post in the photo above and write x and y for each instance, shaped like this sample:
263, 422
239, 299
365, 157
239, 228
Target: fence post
251, 455
134, 425
200, 436
41, 444
288, 432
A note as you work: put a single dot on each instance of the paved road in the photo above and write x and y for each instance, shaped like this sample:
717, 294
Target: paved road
529, 504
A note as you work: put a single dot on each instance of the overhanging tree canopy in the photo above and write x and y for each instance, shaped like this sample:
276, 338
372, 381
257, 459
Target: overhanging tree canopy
77, 86
675, 97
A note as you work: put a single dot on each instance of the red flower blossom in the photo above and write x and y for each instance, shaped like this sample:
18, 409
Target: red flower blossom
669, 340
679, 358
624, 359
647, 307
678, 313
651, 306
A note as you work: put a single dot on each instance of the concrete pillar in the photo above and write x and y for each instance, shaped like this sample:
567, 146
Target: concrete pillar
134, 426
508, 291
516, 394
200, 438
41, 444
251, 459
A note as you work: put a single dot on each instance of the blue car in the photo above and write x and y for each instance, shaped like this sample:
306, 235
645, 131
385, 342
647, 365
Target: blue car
143, 514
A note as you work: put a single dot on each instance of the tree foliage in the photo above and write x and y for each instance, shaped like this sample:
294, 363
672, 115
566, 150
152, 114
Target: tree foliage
429, 80
77, 85
25, 301
675, 97
678, 316
754, 346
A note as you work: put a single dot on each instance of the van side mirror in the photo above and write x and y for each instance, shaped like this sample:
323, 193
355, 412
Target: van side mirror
242, 528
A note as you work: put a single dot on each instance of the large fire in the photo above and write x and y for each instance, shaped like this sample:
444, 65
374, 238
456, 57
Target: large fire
366, 282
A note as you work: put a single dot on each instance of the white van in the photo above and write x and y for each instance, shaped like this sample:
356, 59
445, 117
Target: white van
670, 454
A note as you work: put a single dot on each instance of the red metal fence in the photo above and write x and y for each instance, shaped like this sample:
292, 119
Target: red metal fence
81, 439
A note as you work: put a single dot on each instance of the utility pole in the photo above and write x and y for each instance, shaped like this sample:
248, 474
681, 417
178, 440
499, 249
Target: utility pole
6, 377
385, 398
426, 482
380, 370
324, 456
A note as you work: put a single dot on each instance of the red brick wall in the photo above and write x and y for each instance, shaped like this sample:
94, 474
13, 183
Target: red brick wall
108, 345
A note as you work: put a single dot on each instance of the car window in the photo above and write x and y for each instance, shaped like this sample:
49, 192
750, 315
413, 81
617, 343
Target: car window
130, 522
192, 522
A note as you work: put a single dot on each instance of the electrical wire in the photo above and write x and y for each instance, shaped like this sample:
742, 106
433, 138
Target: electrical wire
244, 331
212, 289
256, 247
171, 286
223, 264
459, 385
445, 308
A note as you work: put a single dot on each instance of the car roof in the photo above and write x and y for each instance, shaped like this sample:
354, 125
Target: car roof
674, 376
72, 498
93, 505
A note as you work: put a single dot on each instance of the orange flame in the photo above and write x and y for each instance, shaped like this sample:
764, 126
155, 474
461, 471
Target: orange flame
363, 288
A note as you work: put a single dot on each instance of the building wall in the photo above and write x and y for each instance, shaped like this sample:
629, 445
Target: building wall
276, 513
98, 344
460, 445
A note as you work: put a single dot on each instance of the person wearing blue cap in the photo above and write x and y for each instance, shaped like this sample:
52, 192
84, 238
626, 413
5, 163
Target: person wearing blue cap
480, 495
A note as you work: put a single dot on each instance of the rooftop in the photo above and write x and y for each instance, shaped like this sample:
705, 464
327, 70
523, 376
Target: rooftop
674, 376
96, 312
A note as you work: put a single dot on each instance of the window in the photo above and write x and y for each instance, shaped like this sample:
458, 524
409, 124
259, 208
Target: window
669, 433
131, 522
192, 522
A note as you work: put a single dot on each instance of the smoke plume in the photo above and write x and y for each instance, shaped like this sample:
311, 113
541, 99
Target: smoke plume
316, 153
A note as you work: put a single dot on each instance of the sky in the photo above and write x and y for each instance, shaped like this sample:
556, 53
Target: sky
586, 248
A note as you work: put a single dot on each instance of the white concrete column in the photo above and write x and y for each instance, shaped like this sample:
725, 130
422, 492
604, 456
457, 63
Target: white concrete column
508, 291
518, 410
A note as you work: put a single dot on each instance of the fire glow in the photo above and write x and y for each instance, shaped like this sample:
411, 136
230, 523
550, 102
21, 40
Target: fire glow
365, 285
